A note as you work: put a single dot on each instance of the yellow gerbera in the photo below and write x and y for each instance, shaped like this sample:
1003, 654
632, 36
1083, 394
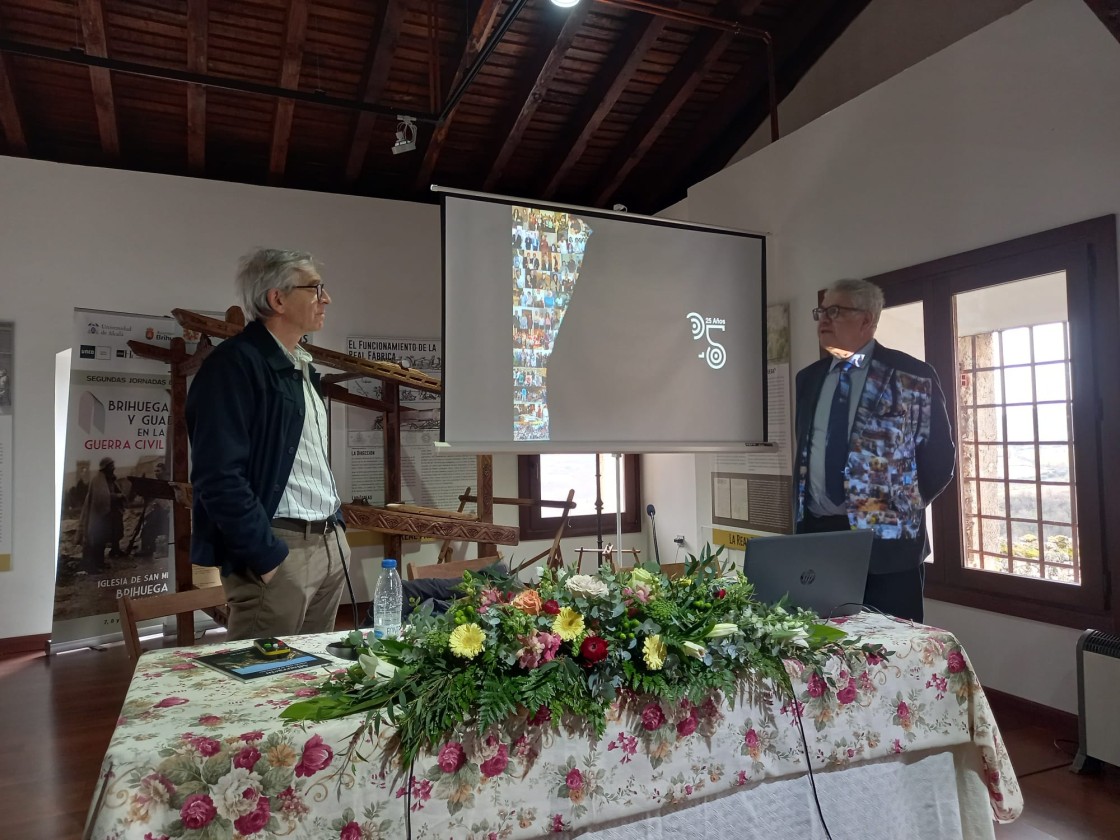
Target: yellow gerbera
654, 651
568, 624
467, 641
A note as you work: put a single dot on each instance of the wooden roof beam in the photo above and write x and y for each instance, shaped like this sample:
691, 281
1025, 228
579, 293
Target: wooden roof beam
600, 100
734, 117
198, 13
93, 30
378, 64
11, 126
483, 25
289, 79
536, 94
705, 50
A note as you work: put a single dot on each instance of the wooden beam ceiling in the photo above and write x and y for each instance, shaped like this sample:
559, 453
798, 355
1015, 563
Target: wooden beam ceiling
705, 50
198, 14
93, 30
294, 38
11, 124
600, 100
483, 25
798, 42
378, 64
537, 92
1109, 13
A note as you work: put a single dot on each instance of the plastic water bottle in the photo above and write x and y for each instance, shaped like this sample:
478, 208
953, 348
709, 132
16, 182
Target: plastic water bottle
388, 601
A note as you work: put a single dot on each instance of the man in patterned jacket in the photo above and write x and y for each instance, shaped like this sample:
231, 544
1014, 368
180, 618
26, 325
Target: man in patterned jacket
874, 446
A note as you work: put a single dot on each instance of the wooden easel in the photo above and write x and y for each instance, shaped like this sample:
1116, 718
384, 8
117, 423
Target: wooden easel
605, 555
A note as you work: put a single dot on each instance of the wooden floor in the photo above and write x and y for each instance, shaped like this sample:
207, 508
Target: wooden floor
59, 712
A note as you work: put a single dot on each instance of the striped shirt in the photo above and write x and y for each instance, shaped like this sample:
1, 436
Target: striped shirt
310, 494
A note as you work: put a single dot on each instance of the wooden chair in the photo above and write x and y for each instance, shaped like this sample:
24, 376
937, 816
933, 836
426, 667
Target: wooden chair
157, 606
451, 569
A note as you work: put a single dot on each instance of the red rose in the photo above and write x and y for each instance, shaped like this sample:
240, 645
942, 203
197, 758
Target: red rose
451, 757
848, 693
495, 766
721, 593
316, 756
350, 831
255, 820
817, 686
247, 758
903, 711
168, 702
207, 746
551, 607
574, 779
652, 717
543, 716
751, 739
956, 662
687, 726
197, 811
593, 649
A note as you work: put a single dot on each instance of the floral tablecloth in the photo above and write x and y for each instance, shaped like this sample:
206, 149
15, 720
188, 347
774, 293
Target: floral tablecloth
197, 754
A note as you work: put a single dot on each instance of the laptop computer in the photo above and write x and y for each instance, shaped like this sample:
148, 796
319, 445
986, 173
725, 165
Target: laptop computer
825, 572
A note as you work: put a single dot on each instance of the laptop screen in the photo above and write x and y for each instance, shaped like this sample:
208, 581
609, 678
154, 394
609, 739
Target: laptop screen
825, 572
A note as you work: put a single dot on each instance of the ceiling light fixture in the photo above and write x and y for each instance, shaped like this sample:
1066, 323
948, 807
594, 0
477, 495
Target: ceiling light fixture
406, 135
565, 4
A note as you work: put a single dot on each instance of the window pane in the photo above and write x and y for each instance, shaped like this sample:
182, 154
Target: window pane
1020, 423
989, 424
1020, 463
993, 499
1017, 346
991, 461
1051, 381
1018, 383
1019, 351
1054, 461
989, 389
1049, 342
561, 473
1057, 503
1053, 422
1024, 500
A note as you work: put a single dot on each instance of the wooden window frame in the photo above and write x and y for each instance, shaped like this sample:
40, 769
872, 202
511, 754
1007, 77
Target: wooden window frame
581, 523
1086, 252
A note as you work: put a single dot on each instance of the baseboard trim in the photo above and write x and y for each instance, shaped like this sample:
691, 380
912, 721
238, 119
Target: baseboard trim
24, 644
1063, 724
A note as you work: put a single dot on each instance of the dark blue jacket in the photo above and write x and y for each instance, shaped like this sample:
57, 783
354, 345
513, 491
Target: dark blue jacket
245, 412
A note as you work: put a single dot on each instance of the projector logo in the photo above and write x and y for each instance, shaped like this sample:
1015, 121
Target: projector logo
715, 354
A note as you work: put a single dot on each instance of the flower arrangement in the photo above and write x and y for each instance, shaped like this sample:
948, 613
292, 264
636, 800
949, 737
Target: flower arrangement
567, 648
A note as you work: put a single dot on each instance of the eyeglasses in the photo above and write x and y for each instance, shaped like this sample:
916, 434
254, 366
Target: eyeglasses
320, 290
834, 311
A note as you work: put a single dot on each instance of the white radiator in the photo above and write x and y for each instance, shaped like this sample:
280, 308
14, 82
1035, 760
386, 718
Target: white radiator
1098, 686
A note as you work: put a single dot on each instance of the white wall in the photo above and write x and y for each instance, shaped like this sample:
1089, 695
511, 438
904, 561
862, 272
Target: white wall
1012, 130
886, 38
134, 242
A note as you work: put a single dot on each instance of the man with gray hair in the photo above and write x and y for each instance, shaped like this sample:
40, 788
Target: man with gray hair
266, 509
874, 446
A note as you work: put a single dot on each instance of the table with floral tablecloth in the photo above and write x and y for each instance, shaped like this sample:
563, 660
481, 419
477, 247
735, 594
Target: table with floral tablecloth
198, 754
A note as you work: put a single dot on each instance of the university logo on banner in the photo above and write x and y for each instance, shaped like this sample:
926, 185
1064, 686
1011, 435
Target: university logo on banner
115, 532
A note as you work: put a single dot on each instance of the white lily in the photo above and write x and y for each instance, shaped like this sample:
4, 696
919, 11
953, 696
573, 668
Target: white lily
722, 630
374, 666
695, 650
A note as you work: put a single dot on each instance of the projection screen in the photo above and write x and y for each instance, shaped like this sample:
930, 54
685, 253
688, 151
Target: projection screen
568, 329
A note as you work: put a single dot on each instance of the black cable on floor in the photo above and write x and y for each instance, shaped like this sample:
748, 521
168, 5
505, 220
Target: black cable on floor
1042, 770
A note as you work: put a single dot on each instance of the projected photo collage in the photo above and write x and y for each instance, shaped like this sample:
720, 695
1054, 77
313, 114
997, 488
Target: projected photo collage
548, 250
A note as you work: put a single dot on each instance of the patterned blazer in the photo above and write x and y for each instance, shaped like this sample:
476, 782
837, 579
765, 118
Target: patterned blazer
900, 453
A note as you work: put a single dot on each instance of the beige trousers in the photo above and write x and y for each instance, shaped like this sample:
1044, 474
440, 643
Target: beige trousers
302, 597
